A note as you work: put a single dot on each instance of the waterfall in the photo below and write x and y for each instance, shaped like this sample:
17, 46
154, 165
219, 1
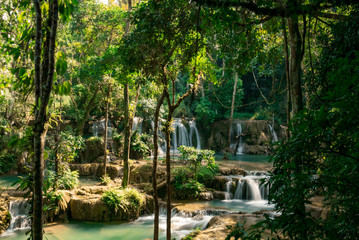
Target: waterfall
161, 149
249, 188
274, 134
193, 128
137, 125
228, 193
240, 145
98, 128
180, 134
19, 210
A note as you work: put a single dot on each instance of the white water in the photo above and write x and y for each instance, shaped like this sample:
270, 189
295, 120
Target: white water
273, 132
248, 187
137, 125
228, 193
19, 210
99, 128
193, 129
182, 223
240, 145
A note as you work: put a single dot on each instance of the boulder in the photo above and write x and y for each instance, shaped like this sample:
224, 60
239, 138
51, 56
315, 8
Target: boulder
93, 149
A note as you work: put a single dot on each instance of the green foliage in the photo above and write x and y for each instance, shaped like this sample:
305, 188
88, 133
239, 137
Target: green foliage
67, 180
190, 180
139, 146
321, 157
69, 146
122, 199
105, 180
7, 162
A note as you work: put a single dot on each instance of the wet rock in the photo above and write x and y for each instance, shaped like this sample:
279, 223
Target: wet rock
206, 196
4, 214
219, 195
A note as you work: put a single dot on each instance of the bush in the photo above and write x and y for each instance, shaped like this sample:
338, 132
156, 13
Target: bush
68, 179
126, 199
7, 162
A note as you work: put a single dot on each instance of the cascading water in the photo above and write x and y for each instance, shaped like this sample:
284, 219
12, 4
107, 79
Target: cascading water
19, 210
249, 188
137, 125
240, 145
98, 128
179, 135
228, 193
193, 129
273, 132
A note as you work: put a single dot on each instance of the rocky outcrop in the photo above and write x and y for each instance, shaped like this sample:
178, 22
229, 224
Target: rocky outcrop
92, 208
92, 150
4, 214
97, 169
256, 136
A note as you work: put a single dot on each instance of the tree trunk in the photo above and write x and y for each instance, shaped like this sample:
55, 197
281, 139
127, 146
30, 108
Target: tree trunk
90, 105
232, 110
126, 150
105, 137
43, 86
286, 52
154, 171
295, 43
168, 171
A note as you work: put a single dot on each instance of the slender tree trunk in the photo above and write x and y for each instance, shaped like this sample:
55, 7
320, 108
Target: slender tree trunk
286, 52
106, 127
126, 150
43, 86
232, 110
295, 43
57, 159
154, 171
168, 171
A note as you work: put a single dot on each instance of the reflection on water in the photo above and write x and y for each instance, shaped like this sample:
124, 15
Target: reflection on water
245, 158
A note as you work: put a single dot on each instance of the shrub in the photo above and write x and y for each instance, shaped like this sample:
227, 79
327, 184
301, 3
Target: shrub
68, 179
105, 180
7, 162
125, 199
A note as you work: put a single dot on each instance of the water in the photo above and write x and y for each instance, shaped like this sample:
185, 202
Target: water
98, 128
140, 229
244, 158
20, 220
7, 181
240, 145
273, 132
137, 125
228, 193
193, 129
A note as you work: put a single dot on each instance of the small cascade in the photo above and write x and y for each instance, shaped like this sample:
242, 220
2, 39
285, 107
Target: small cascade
19, 210
137, 125
193, 129
180, 134
228, 193
240, 145
161, 149
98, 128
273, 132
249, 188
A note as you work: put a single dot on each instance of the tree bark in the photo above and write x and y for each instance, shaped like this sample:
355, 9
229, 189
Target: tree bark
232, 110
43, 86
295, 44
286, 52
154, 171
106, 127
126, 150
